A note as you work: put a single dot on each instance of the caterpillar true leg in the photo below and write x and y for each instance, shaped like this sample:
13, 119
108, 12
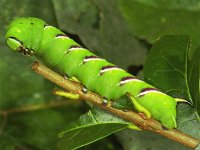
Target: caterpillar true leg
138, 106
66, 94
76, 96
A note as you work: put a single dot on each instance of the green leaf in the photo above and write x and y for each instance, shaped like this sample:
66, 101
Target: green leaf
198, 148
91, 127
194, 79
146, 140
150, 19
166, 69
165, 65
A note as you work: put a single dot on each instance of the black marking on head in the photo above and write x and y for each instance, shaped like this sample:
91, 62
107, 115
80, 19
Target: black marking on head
84, 90
16, 39
22, 48
108, 68
25, 50
147, 90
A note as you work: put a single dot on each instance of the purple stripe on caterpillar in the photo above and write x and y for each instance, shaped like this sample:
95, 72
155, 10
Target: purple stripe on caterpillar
61, 36
108, 68
128, 79
74, 47
148, 90
91, 58
46, 26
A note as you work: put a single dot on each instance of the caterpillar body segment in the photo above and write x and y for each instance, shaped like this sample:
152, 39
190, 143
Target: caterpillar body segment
32, 36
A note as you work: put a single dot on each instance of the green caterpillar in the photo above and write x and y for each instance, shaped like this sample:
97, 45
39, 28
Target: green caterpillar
32, 36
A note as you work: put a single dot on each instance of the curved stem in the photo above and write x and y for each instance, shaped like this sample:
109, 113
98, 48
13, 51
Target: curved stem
146, 124
33, 107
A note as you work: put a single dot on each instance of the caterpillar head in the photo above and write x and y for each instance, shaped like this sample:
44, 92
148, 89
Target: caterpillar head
19, 35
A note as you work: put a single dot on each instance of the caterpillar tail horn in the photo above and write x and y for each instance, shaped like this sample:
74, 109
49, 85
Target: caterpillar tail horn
180, 100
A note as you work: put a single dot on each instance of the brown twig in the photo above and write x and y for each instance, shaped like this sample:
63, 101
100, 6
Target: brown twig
27, 108
34, 107
146, 124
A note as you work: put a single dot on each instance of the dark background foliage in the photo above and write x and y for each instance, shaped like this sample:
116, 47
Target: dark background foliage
121, 31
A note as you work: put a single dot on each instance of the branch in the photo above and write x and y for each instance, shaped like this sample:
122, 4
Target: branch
146, 124
34, 107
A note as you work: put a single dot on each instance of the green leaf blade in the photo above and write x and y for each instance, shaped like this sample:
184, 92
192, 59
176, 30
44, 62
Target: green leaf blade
194, 79
167, 69
94, 125
151, 19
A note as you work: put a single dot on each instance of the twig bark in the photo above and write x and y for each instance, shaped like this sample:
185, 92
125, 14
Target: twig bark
27, 108
146, 124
